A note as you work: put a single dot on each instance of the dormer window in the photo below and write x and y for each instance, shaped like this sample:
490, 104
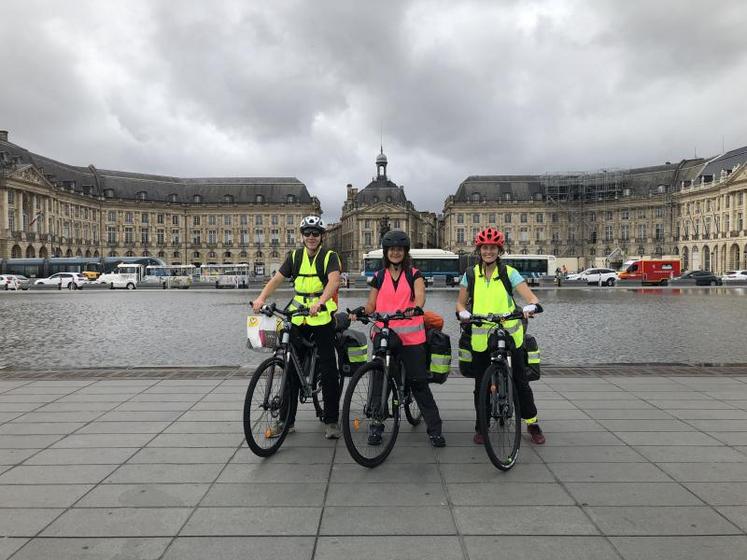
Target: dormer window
388, 198
538, 197
259, 199
197, 199
507, 197
228, 198
142, 195
291, 199
173, 197
108, 193
475, 197
376, 199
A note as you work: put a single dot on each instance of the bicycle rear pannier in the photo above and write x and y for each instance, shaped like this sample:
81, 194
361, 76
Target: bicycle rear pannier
465, 352
354, 351
532, 353
439, 355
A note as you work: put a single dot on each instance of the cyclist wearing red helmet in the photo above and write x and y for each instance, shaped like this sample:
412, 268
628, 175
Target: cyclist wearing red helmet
488, 288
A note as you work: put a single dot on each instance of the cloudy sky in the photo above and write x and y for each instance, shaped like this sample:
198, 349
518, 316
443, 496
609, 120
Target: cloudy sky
304, 88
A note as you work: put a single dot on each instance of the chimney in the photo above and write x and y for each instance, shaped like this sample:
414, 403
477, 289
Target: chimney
4, 135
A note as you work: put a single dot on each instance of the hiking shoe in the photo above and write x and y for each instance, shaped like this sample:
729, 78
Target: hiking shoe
276, 429
477, 439
332, 431
437, 440
375, 434
536, 434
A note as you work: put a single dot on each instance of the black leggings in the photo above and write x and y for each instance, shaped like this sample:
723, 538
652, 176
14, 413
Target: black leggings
481, 362
324, 338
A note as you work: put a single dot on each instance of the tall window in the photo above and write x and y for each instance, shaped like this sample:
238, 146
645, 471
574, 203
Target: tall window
540, 218
144, 218
195, 221
460, 235
175, 220
212, 219
475, 218
175, 237
129, 235
523, 218
507, 218
127, 219
111, 234
659, 232
212, 236
111, 216
159, 218
226, 219
608, 233
460, 218
160, 237
196, 237
144, 235
227, 237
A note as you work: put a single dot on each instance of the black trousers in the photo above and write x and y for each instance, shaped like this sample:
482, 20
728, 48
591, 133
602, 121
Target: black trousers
414, 358
481, 362
324, 338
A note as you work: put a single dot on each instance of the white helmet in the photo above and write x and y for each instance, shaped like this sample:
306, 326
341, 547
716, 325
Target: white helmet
313, 222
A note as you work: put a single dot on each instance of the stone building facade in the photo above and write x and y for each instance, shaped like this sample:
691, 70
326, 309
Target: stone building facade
48, 208
367, 212
605, 217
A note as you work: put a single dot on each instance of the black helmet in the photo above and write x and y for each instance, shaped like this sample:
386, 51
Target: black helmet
395, 238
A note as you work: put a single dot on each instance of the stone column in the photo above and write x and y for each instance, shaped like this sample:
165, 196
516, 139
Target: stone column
3, 211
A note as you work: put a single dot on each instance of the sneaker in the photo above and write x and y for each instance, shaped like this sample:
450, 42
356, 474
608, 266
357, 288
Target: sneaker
437, 440
375, 434
332, 431
536, 434
276, 429
477, 439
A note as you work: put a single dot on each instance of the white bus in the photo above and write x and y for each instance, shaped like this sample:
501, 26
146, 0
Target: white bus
432, 263
226, 275
169, 276
531, 267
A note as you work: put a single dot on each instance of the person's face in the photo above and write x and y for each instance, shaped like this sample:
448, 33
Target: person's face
396, 255
312, 239
489, 253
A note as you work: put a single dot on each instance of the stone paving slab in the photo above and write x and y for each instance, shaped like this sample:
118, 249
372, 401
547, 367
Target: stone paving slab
121, 467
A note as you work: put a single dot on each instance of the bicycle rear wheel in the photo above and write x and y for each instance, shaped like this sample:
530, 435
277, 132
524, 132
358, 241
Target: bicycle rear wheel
499, 415
369, 429
263, 408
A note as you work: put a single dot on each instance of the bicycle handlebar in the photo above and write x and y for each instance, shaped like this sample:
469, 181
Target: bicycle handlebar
498, 318
272, 309
385, 318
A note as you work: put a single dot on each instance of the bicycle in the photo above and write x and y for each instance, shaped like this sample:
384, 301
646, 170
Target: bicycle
375, 394
267, 396
499, 413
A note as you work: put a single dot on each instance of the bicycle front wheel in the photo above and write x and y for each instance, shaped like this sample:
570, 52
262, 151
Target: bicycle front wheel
499, 416
265, 409
370, 415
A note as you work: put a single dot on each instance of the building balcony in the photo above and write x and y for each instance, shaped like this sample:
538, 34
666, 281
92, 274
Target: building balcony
734, 234
30, 236
43, 237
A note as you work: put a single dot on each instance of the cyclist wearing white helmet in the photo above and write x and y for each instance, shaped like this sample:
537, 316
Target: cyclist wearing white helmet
315, 272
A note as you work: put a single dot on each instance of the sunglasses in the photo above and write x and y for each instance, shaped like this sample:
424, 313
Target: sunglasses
311, 233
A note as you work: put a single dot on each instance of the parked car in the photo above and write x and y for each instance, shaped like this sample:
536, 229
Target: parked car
71, 280
23, 282
701, 277
592, 276
733, 275
8, 282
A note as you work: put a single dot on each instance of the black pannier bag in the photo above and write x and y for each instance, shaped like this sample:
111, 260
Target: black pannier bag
532, 357
353, 351
465, 352
439, 355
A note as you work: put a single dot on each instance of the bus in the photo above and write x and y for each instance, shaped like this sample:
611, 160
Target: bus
91, 267
432, 263
531, 267
226, 275
170, 275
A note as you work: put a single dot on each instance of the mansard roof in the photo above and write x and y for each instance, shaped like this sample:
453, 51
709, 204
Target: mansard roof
128, 185
727, 161
381, 189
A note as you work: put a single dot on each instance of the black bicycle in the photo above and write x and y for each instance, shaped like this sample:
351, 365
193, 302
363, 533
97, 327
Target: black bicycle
499, 414
375, 394
267, 403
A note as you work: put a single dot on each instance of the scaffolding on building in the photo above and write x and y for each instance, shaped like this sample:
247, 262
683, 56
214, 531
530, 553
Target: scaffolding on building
570, 193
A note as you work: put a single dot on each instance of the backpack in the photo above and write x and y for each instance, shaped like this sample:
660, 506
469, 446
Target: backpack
296, 257
409, 275
438, 345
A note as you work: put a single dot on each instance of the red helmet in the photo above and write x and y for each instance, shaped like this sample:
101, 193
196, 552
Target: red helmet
490, 236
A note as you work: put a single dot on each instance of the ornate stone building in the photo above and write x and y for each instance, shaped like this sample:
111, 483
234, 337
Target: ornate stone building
381, 205
48, 208
605, 217
711, 210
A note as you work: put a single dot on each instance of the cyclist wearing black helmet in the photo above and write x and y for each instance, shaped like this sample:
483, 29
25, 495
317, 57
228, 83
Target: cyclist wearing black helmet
396, 287
315, 272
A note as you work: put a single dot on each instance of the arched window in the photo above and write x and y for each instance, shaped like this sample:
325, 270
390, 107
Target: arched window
30, 253
228, 198
227, 254
291, 199
259, 199
173, 197
197, 199
15, 252
196, 255
211, 254
113, 253
475, 197
129, 254
161, 254
177, 254
507, 196
142, 195
108, 193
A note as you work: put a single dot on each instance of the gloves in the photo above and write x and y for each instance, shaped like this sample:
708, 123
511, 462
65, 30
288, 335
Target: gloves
358, 311
531, 308
464, 315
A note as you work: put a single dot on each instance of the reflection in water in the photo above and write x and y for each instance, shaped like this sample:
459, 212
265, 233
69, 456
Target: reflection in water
580, 326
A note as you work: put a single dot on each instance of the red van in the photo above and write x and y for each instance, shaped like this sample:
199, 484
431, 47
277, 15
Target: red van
651, 271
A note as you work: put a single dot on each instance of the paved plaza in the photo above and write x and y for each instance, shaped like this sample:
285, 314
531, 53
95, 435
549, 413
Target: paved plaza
635, 467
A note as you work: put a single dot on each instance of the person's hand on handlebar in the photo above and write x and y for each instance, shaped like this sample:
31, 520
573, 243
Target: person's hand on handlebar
354, 314
464, 315
315, 308
413, 311
531, 309
257, 304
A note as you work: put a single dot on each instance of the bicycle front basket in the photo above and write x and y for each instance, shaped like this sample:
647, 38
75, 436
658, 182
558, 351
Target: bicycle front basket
262, 332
